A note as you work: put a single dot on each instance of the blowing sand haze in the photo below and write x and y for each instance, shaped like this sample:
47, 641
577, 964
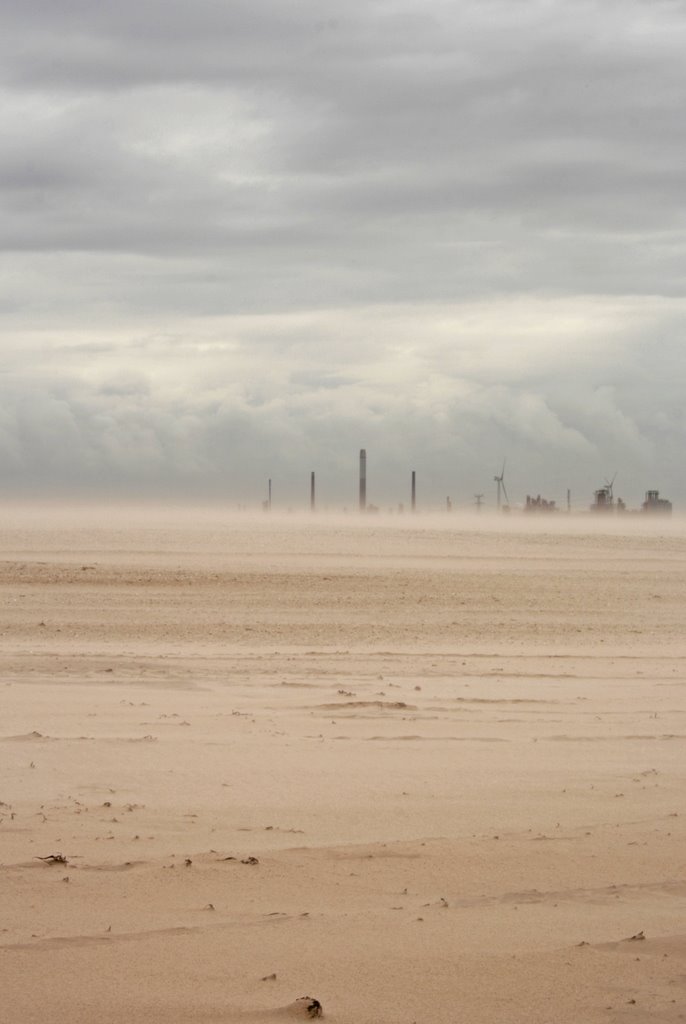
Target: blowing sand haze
406, 771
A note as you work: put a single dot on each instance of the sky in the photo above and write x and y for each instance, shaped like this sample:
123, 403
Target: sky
243, 239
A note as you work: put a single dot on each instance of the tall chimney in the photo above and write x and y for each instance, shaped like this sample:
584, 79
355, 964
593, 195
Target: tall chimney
414, 491
363, 479
312, 491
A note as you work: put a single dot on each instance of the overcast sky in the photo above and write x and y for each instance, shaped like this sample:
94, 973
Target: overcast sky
243, 239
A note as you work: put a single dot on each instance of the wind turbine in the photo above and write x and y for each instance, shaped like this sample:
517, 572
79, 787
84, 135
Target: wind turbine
500, 481
609, 484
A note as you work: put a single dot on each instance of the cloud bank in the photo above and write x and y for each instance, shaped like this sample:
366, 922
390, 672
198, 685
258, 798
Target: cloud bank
244, 240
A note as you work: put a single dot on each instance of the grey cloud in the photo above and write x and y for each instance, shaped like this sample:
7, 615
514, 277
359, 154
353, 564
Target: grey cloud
414, 119
248, 235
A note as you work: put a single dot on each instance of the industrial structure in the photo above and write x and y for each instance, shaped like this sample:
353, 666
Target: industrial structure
604, 499
539, 504
363, 479
655, 504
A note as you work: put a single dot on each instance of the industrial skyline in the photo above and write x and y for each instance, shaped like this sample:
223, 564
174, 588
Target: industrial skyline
603, 498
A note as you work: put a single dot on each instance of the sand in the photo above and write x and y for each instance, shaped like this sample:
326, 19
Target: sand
417, 769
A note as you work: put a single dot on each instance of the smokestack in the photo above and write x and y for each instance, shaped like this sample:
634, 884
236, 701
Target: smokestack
312, 491
414, 491
269, 500
363, 479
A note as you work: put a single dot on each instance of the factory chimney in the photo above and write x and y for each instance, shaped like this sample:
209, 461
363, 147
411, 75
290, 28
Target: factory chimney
363, 479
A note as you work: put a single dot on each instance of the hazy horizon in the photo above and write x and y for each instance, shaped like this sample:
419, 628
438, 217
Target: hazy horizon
213, 518
387, 490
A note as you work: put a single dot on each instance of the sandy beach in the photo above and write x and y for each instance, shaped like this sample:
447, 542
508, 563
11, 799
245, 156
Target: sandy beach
420, 770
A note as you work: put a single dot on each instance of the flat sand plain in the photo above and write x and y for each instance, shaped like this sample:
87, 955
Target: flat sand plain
422, 770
